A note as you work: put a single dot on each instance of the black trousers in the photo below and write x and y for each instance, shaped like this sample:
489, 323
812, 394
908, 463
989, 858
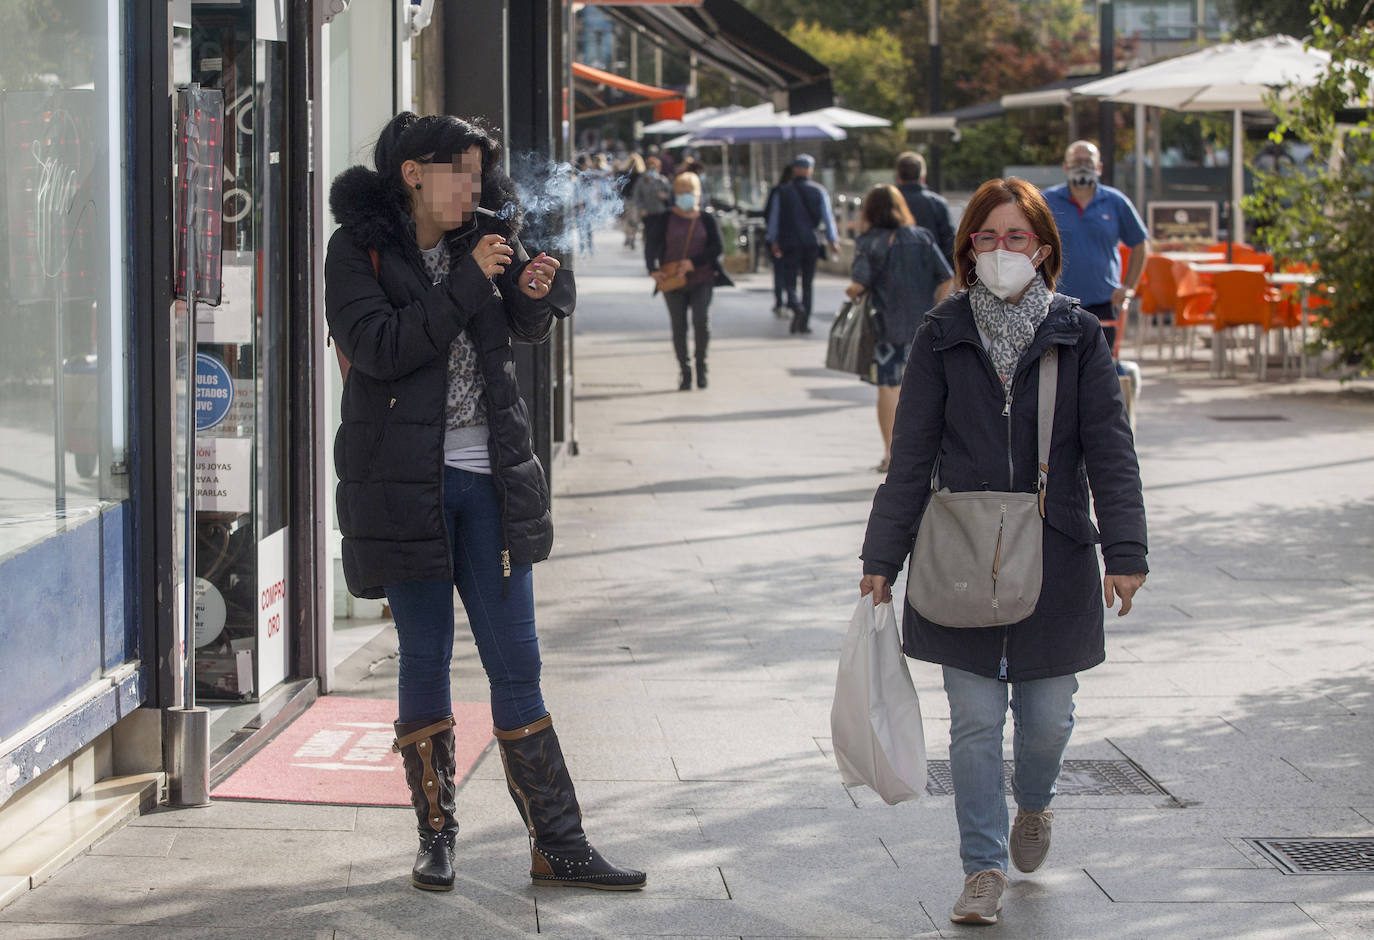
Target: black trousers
800, 261
1104, 311
699, 300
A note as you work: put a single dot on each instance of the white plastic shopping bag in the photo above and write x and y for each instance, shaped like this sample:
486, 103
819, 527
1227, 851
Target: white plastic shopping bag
875, 723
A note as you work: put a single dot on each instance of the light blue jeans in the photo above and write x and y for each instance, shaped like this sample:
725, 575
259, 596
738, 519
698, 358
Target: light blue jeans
1042, 710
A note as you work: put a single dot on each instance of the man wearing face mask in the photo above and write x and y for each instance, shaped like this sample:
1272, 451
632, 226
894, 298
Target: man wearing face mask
1093, 219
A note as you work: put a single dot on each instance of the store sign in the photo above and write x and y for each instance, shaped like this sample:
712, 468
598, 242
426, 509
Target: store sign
272, 607
214, 391
224, 474
1182, 221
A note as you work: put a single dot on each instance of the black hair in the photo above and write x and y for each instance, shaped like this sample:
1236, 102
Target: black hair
438, 138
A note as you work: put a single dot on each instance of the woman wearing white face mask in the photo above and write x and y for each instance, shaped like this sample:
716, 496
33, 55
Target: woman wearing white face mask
969, 401
682, 249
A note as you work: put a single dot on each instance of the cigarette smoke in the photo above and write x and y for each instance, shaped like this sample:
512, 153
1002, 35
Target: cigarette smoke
558, 198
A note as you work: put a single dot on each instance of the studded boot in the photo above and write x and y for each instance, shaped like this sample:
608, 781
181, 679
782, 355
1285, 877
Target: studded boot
426, 748
539, 783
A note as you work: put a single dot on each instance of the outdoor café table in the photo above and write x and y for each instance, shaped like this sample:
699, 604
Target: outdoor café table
1213, 267
1191, 256
1303, 281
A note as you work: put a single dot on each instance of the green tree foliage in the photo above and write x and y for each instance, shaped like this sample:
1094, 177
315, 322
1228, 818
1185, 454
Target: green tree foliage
868, 69
1255, 18
1323, 212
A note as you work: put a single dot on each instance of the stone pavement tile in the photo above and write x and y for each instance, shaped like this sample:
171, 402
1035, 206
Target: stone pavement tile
198, 858
780, 790
137, 841
1342, 921
1072, 920
1164, 883
252, 814
826, 901
51, 903
149, 932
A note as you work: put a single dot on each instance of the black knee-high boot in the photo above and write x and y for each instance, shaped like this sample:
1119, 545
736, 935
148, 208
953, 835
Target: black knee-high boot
543, 792
426, 748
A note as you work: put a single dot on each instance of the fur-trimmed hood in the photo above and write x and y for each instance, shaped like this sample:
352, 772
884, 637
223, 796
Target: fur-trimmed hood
377, 219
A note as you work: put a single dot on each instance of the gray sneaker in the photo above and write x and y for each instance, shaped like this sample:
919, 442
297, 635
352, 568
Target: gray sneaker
982, 898
1030, 839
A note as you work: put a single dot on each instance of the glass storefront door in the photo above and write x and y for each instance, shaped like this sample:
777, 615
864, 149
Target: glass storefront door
242, 494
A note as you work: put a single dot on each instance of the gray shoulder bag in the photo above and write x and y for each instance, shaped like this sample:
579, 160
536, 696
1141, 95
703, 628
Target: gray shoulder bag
978, 557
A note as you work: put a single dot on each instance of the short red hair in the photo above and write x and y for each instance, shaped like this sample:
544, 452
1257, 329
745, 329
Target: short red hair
1027, 198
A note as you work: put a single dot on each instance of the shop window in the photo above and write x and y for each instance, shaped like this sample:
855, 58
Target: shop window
65, 613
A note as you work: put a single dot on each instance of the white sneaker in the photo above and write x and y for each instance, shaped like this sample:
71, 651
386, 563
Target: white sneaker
982, 898
1030, 839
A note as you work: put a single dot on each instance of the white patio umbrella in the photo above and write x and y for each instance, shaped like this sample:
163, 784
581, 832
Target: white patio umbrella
1231, 77
846, 118
689, 120
761, 122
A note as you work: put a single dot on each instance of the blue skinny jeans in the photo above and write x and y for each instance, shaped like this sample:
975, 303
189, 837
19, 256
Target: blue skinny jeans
502, 621
1043, 714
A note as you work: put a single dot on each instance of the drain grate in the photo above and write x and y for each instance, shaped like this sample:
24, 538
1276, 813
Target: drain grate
1077, 778
1319, 856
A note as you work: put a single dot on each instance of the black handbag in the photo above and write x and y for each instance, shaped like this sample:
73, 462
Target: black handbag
854, 334
852, 337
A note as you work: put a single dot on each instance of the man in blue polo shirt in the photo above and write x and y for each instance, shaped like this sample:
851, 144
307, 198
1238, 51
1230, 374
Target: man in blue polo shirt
1093, 218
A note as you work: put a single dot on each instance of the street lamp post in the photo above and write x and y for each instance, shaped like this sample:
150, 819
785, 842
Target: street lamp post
933, 165
1106, 66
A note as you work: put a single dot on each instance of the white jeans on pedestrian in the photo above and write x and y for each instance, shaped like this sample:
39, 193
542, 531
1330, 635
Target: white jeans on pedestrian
1042, 710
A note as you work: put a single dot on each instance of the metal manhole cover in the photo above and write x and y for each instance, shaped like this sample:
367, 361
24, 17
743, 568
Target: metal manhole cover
1078, 778
1319, 856
1247, 417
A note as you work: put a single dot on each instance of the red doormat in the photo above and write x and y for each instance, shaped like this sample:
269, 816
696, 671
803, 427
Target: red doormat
339, 751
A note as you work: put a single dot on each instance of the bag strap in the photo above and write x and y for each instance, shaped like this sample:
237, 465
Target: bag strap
1049, 388
878, 276
691, 230
1044, 427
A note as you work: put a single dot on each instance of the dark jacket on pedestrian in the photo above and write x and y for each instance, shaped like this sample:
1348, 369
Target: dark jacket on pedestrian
952, 405
931, 211
902, 267
656, 237
801, 206
395, 327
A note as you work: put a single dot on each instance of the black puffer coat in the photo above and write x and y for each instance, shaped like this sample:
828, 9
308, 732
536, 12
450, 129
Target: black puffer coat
396, 327
952, 404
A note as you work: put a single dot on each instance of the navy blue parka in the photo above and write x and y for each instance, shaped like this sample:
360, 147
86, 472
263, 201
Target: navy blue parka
954, 405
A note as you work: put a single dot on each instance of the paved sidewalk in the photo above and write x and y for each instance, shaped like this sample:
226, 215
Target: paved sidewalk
691, 617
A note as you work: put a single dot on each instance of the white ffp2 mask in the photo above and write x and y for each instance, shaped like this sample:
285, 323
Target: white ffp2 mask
1005, 273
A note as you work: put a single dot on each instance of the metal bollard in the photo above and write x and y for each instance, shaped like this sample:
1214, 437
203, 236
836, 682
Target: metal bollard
186, 750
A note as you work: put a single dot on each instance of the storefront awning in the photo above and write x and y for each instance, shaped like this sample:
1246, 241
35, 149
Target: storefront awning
593, 101
727, 38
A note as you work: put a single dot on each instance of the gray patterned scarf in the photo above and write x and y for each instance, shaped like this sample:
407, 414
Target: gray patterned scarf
1009, 327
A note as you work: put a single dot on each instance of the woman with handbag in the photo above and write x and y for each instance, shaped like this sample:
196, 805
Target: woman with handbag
438, 484
969, 416
682, 250
901, 267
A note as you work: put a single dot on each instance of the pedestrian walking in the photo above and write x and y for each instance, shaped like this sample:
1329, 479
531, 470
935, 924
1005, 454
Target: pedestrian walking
1093, 219
628, 175
682, 250
928, 208
653, 193
907, 274
968, 412
800, 223
438, 483
586, 203
779, 284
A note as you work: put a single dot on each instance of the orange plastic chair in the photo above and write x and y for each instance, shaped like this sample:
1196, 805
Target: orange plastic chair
1158, 293
1245, 298
1192, 308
